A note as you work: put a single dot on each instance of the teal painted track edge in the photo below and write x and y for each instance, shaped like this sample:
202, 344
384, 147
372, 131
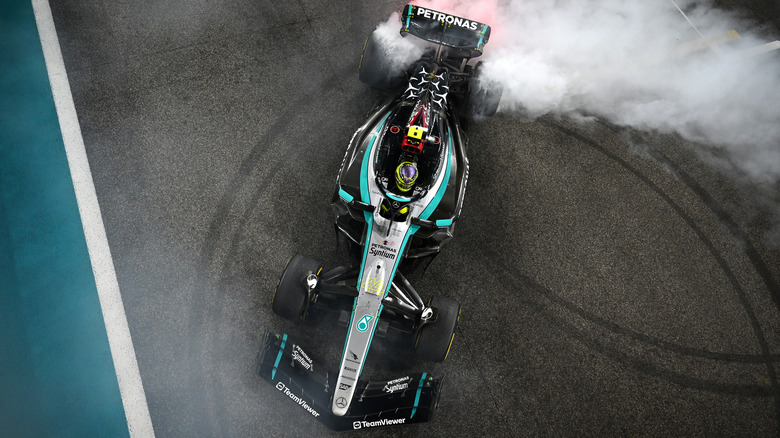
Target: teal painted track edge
57, 360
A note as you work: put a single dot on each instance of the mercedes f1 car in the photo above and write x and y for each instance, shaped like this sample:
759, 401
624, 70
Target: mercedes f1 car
398, 195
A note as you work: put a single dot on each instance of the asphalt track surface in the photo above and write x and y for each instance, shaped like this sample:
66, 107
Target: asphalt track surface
611, 282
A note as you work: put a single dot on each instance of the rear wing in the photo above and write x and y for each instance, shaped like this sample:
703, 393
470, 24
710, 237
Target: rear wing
437, 27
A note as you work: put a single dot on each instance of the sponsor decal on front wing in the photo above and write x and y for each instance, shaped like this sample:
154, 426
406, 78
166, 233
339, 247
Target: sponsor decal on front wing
301, 357
396, 385
301, 402
383, 422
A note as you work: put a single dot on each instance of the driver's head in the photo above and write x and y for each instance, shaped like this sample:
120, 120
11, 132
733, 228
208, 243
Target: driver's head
405, 175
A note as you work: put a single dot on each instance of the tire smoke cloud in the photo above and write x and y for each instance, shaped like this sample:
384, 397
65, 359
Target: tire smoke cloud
400, 52
637, 64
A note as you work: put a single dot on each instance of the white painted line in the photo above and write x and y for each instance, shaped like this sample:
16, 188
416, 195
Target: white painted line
714, 48
758, 50
706, 43
125, 364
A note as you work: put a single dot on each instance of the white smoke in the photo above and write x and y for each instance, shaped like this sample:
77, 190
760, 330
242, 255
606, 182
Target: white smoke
634, 64
639, 64
400, 52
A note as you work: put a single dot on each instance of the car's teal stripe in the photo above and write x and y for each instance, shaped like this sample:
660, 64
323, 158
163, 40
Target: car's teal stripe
383, 122
409, 16
279, 356
364, 195
444, 222
345, 196
396, 198
484, 29
417, 397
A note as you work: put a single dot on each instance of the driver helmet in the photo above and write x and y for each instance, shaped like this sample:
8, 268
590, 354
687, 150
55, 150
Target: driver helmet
405, 175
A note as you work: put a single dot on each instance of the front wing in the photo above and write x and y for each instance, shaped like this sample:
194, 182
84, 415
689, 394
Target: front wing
305, 381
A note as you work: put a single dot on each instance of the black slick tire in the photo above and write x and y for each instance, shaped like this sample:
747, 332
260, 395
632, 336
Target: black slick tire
375, 69
435, 339
291, 294
484, 96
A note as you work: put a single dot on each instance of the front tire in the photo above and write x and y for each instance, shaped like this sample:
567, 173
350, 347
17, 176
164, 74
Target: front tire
291, 296
435, 339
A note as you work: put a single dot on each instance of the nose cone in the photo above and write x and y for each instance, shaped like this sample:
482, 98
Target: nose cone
340, 406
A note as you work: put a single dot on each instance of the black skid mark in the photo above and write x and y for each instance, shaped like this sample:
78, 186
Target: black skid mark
717, 209
222, 234
758, 331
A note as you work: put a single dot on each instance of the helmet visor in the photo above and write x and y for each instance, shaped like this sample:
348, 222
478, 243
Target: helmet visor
405, 175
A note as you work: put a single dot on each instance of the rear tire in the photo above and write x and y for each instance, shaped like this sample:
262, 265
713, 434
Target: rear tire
484, 95
375, 69
435, 339
291, 295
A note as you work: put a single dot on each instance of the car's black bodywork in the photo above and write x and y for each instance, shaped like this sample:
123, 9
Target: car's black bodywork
390, 223
428, 240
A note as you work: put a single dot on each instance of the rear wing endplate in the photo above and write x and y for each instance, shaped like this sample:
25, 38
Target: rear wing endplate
449, 30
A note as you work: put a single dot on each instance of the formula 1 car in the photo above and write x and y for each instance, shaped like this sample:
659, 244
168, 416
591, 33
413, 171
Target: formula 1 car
398, 194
